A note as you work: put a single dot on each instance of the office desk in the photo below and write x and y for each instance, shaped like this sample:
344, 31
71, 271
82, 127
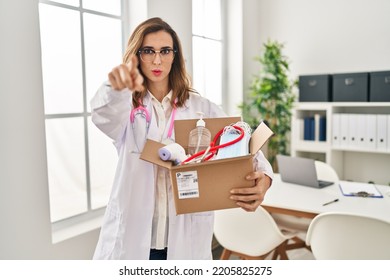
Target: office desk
308, 202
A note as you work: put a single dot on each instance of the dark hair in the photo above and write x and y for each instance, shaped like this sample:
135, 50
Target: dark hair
179, 80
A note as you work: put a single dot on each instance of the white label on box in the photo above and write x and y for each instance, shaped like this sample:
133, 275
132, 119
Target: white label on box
187, 184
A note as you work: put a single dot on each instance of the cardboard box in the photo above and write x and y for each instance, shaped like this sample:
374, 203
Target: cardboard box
206, 186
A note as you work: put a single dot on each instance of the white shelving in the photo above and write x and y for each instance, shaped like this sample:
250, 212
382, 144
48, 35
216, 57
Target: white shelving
351, 163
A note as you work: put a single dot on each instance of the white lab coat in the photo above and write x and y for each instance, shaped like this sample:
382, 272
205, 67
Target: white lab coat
127, 224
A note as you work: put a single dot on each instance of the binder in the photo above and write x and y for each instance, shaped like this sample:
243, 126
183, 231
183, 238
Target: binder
361, 130
312, 128
336, 130
344, 124
316, 127
308, 128
298, 127
322, 129
388, 133
359, 189
352, 130
381, 132
371, 131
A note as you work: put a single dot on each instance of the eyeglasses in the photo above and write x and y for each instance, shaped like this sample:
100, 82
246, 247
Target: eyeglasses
149, 54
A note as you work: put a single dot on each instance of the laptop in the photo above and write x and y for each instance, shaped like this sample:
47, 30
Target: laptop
301, 171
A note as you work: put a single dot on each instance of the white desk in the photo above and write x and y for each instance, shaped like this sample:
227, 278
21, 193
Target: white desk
308, 202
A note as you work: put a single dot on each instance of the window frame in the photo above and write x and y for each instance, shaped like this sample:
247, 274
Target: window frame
224, 32
91, 219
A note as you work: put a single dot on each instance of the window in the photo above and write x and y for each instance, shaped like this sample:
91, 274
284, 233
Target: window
207, 48
80, 41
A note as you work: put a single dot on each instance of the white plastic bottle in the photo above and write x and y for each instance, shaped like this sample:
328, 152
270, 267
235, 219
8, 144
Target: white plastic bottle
200, 137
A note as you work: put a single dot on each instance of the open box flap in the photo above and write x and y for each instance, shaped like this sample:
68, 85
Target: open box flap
259, 137
150, 154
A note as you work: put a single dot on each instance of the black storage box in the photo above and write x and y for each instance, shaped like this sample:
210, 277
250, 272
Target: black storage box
315, 88
350, 87
379, 86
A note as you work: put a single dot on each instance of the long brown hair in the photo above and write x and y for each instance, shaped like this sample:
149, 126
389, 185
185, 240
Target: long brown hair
179, 81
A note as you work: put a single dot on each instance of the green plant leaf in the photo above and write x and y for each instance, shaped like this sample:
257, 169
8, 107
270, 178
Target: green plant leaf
271, 98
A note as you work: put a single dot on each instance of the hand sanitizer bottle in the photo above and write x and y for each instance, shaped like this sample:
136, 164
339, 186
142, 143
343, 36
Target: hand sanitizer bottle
200, 137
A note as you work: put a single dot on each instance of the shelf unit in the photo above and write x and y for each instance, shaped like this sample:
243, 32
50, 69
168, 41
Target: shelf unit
357, 163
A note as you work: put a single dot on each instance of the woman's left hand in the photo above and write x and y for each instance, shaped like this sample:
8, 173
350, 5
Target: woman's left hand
250, 198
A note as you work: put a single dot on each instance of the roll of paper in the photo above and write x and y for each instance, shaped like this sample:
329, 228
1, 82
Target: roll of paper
165, 153
172, 152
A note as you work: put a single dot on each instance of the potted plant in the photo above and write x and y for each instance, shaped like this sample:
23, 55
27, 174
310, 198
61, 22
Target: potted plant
271, 98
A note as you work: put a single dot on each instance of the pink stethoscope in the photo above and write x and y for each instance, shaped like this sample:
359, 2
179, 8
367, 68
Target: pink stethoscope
144, 113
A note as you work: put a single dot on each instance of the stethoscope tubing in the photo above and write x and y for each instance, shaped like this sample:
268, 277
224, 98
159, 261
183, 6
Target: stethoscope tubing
148, 117
140, 110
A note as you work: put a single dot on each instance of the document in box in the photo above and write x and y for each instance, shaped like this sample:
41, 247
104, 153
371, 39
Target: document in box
359, 189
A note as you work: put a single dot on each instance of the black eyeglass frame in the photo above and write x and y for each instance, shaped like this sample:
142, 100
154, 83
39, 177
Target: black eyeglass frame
140, 52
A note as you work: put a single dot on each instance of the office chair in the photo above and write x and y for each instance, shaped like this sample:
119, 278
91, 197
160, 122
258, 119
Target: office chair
337, 236
250, 235
300, 224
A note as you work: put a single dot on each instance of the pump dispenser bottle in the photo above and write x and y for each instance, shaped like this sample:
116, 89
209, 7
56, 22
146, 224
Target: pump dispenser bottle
200, 137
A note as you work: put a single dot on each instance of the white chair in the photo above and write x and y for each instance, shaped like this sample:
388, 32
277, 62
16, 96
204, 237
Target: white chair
337, 236
301, 224
250, 235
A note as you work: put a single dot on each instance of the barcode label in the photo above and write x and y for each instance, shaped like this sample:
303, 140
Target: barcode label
190, 193
187, 184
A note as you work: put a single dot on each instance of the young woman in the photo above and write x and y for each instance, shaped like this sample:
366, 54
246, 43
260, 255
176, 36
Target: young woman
142, 98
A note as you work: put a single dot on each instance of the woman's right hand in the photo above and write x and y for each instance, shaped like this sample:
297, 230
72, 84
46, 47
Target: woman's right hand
127, 76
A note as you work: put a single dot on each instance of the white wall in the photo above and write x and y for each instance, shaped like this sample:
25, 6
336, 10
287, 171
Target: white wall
234, 56
178, 14
332, 36
251, 41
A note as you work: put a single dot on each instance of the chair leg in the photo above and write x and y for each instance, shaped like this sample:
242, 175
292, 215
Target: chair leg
275, 255
225, 254
281, 251
298, 243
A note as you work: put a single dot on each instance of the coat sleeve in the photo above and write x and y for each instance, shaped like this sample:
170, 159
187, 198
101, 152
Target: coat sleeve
262, 164
110, 110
